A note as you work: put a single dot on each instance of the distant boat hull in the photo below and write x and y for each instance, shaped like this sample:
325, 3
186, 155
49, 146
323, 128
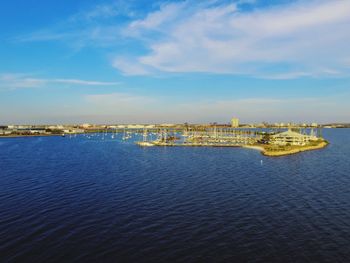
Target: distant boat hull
145, 144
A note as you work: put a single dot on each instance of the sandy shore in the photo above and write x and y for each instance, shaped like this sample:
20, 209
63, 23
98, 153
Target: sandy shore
255, 147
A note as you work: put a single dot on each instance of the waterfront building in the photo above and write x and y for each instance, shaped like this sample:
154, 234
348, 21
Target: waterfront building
56, 127
5, 132
73, 131
135, 126
290, 137
86, 125
234, 122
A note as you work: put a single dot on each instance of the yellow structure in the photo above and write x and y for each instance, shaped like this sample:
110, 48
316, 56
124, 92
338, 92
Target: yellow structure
234, 122
292, 138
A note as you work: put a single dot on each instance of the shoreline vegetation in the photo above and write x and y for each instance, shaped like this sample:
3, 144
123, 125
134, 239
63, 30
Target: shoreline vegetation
265, 149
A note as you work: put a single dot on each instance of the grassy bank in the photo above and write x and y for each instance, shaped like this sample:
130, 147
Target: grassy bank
275, 150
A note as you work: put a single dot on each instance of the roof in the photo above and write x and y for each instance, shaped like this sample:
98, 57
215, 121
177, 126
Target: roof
289, 133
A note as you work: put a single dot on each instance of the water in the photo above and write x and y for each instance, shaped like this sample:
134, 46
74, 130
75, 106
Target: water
94, 200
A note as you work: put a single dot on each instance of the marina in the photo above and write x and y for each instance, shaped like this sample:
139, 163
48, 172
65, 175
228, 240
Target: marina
269, 142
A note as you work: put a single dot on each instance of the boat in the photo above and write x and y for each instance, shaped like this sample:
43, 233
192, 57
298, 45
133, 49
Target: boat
145, 144
125, 137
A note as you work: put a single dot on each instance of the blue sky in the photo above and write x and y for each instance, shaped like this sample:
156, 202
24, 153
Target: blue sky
117, 61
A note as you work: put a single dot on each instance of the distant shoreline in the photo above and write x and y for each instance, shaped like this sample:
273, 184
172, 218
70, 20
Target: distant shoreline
32, 135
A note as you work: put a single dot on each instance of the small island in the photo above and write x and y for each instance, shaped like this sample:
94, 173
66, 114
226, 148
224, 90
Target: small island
288, 142
281, 150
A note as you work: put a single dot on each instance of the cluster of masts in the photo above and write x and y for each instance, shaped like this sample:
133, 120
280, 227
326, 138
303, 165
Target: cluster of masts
218, 136
196, 136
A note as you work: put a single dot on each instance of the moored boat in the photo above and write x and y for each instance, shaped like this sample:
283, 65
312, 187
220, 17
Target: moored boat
145, 144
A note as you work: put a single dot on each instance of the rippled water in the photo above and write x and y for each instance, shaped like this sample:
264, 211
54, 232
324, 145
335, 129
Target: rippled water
94, 200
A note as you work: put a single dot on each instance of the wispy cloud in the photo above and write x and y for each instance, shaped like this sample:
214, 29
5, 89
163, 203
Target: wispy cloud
130, 67
156, 20
97, 26
122, 107
118, 99
104, 11
82, 82
290, 40
302, 37
15, 81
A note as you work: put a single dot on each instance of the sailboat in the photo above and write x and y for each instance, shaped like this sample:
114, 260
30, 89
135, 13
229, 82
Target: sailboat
125, 137
145, 142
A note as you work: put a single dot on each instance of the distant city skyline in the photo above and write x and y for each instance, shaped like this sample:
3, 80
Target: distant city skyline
140, 61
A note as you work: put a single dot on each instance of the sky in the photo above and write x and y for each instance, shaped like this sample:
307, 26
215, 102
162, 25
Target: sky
172, 61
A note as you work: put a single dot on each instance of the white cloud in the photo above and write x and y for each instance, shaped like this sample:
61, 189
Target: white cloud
120, 107
153, 20
288, 75
129, 67
117, 99
300, 37
98, 12
287, 40
82, 82
14, 81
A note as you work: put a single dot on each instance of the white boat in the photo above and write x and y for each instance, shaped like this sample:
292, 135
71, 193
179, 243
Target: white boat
145, 144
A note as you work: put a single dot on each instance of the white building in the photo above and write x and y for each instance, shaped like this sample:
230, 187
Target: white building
4, 132
291, 138
55, 127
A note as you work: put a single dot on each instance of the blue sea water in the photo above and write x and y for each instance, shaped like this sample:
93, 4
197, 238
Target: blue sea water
93, 200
